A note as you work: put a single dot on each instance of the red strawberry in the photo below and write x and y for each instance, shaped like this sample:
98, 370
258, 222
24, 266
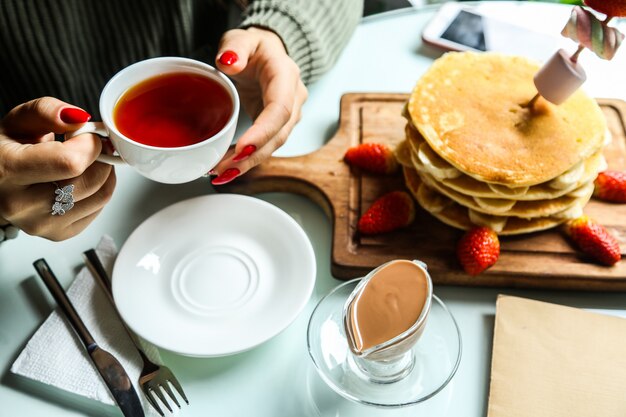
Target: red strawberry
372, 157
611, 186
478, 249
615, 8
594, 240
390, 212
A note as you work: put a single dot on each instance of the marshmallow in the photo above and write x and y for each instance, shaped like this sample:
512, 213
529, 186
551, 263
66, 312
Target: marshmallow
559, 78
584, 28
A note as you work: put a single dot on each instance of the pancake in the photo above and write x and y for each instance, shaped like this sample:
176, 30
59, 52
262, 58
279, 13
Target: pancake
508, 207
403, 154
469, 108
457, 216
426, 160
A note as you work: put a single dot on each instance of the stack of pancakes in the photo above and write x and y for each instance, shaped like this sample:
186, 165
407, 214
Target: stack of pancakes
476, 155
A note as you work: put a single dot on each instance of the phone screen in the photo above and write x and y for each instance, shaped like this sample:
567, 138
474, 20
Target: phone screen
485, 33
467, 29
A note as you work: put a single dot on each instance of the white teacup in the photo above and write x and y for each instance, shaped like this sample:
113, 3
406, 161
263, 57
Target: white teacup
171, 165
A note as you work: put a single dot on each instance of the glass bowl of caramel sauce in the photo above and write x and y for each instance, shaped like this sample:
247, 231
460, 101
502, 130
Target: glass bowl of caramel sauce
386, 339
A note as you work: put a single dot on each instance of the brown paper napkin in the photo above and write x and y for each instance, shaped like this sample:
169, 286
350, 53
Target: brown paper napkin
555, 361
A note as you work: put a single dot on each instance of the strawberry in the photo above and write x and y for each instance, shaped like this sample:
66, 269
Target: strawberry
373, 157
389, 212
594, 240
613, 8
478, 249
611, 186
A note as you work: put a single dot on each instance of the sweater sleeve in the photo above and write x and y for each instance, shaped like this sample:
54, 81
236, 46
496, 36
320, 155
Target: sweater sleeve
314, 32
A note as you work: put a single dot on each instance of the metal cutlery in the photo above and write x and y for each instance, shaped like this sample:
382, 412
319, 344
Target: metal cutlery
154, 379
111, 371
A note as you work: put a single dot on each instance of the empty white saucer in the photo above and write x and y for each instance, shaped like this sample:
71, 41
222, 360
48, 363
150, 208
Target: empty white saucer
214, 275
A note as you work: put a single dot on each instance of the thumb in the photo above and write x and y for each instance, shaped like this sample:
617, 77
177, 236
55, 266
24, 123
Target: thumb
236, 48
42, 116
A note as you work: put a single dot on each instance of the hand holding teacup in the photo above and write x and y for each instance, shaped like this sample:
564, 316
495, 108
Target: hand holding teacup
34, 178
271, 92
55, 189
33, 165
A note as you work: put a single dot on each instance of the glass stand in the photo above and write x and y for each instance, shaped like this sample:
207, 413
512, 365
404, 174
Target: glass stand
423, 372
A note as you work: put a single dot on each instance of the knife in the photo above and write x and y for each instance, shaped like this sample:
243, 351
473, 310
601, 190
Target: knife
111, 371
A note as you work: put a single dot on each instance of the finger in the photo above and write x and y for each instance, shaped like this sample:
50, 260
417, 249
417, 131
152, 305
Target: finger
95, 201
90, 181
50, 161
62, 227
278, 99
39, 198
229, 171
31, 208
72, 229
270, 147
235, 49
41, 116
248, 144
244, 149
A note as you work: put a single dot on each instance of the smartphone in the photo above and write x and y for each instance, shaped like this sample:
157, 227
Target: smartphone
460, 28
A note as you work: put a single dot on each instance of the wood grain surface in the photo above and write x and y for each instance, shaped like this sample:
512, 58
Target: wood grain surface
538, 260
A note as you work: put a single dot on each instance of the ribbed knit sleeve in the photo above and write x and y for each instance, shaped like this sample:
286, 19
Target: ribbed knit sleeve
313, 31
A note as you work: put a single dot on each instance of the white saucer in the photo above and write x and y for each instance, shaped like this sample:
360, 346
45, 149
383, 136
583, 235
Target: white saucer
214, 275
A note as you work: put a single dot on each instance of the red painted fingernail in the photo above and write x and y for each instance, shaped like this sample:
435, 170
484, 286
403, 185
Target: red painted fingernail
229, 58
245, 152
74, 115
226, 176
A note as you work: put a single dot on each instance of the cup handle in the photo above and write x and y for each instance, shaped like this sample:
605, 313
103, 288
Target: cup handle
97, 128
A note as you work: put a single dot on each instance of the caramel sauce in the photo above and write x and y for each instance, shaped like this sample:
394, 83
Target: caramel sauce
387, 305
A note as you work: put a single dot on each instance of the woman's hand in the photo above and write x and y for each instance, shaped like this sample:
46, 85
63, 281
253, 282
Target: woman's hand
271, 92
33, 165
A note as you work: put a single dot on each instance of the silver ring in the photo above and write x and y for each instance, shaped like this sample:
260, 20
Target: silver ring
64, 200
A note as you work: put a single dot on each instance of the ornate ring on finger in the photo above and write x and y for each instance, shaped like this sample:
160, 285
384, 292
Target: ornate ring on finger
63, 200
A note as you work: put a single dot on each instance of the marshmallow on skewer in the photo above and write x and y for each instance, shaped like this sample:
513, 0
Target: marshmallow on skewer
584, 28
562, 75
559, 78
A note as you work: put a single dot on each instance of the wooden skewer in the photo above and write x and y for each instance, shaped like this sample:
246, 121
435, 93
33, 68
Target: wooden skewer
532, 101
574, 57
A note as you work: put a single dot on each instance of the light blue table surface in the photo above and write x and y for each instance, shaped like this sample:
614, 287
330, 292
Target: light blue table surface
277, 378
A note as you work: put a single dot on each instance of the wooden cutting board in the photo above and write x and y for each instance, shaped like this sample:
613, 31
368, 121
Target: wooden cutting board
538, 260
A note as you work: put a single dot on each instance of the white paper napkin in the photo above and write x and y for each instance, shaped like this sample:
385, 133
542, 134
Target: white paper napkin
55, 355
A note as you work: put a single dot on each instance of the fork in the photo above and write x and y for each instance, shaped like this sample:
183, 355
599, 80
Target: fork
154, 379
